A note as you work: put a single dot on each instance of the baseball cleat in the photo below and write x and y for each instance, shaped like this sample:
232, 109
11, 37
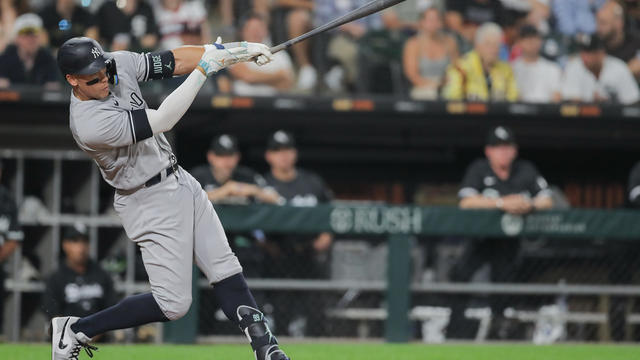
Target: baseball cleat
65, 344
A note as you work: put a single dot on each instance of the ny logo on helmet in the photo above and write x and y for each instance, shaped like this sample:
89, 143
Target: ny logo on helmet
96, 52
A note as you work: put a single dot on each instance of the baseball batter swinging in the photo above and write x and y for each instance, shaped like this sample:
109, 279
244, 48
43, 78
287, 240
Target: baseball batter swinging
162, 207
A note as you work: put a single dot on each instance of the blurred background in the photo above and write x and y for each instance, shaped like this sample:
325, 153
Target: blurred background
442, 170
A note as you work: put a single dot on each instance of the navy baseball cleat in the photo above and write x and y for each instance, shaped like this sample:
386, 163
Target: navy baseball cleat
65, 344
264, 344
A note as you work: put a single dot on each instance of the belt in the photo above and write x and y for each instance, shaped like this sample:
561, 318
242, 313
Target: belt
156, 179
153, 181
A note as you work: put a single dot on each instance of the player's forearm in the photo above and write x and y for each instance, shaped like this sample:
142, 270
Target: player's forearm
176, 104
186, 58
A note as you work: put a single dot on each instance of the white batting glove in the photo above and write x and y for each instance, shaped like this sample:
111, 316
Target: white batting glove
217, 56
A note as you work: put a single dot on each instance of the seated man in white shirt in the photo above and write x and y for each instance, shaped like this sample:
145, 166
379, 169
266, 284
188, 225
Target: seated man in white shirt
538, 79
594, 76
268, 80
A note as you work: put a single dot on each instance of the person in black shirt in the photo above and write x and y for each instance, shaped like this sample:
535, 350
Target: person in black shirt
502, 181
80, 287
305, 257
227, 182
25, 61
131, 27
10, 236
293, 255
499, 181
63, 19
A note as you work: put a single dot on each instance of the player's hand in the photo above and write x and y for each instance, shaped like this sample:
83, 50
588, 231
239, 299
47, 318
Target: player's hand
217, 56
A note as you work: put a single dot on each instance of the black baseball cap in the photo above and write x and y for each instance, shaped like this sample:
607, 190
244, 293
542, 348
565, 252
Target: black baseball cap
529, 31
224, 144
589, 43
77, 232
501, 135
280, 140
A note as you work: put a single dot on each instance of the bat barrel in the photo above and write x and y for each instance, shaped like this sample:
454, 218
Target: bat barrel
367, 9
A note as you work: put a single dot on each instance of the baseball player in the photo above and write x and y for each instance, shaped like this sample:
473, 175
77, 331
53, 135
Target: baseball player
162, 207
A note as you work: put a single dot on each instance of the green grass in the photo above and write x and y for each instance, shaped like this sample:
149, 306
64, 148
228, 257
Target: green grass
342, 352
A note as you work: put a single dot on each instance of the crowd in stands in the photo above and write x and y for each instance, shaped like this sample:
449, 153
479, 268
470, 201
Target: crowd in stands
538, 51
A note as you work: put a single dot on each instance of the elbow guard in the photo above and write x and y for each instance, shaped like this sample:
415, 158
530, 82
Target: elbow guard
161, 65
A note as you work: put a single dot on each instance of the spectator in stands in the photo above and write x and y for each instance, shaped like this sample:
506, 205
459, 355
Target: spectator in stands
480, 75
79, 287
594, 76
64, 19
620, 40
296, 256
129, 26
576, 17
406, 15
465, 17
427, 55
10, 236
9, 11
181, 22
296, 14
343, 44
501, 181
538, 78
25, 61
227, 182
267, 80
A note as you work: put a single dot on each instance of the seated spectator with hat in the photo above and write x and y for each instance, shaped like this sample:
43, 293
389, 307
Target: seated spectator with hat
25, 61
594, 76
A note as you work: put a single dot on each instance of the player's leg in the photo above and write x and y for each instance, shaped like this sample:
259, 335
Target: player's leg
160, 220
216, 260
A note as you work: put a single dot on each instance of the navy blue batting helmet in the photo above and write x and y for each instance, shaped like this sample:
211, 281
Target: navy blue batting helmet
81, 56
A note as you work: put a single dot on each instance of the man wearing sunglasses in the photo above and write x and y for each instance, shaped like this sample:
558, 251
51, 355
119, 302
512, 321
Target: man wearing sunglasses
162, 207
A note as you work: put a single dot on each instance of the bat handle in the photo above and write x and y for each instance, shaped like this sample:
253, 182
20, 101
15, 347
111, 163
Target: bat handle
280, 47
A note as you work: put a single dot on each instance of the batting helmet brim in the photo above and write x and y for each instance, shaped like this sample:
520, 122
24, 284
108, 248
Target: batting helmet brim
97, 65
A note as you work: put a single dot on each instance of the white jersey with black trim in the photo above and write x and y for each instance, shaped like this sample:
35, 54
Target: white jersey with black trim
115, 130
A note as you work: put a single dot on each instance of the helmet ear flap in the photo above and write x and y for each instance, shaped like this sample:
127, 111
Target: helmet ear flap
112, 73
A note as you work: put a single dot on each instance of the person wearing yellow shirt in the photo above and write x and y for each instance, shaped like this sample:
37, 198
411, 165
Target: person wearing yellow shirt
480, 75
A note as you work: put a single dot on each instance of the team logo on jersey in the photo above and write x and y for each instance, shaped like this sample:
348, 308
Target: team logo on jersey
96, 52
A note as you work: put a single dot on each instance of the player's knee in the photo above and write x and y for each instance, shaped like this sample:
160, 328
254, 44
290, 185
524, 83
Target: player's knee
179, 308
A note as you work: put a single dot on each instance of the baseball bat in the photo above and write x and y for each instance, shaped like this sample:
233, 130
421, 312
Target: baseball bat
364, 10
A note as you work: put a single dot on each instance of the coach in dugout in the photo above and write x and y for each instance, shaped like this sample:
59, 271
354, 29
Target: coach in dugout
499, 181
10, 236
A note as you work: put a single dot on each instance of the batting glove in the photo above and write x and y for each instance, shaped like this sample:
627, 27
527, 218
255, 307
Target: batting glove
218, 56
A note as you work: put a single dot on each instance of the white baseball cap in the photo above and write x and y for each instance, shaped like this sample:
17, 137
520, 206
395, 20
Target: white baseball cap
29, 22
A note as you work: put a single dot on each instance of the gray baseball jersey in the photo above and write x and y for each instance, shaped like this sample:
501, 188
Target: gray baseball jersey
115, 132
173, 222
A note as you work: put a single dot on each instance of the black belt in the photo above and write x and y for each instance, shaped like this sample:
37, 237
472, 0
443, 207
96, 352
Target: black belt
156, 179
